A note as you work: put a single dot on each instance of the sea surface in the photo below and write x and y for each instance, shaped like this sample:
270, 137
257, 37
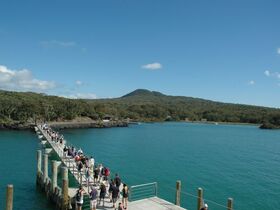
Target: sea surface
238, 161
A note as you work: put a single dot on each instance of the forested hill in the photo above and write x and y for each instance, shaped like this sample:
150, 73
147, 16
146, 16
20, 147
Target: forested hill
139, 105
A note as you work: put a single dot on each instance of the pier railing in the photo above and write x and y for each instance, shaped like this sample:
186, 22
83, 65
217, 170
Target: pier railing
142, 191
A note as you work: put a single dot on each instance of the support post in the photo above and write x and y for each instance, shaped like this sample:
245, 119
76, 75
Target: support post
39, 161
178, 193
81, 178
230, 204
65, 194
45, 167
9, 197
65, 173
200, 199
54, 175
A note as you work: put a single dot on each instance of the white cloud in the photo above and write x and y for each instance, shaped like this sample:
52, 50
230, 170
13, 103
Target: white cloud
252, 82
278, 50
152, 66
272, 74
81, 96
267, 73
22, 80
78, 82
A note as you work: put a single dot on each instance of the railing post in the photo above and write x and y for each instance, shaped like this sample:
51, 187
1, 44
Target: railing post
74, 168
156, 188
178, 193
39, 161
45, 167
54, 175
200, 199
230, 204
9, 197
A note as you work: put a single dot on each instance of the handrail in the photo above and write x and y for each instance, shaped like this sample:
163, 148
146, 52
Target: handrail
142, 185
142, 191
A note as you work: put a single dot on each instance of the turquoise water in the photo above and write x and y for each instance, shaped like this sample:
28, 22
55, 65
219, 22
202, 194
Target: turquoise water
18, 167
225, 160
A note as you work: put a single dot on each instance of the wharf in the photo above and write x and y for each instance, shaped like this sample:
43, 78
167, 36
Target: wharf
64, 197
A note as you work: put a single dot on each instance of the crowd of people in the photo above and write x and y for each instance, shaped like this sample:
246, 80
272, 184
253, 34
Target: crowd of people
99, 174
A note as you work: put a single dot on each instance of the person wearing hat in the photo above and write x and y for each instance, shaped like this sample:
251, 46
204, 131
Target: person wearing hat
205, 207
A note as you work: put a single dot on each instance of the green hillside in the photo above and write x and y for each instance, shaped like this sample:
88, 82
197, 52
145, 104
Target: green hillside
139, 105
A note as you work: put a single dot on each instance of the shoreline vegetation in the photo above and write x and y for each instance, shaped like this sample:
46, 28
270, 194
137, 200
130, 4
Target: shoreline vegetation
22, 110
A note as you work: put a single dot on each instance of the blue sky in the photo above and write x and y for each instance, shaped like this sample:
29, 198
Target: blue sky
222, 50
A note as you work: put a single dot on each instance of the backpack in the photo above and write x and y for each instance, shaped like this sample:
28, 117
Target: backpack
107, 172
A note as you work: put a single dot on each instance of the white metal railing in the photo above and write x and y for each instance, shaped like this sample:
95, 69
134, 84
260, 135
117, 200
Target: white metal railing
142, 191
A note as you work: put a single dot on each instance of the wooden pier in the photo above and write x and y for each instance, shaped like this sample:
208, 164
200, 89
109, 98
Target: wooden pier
64, 197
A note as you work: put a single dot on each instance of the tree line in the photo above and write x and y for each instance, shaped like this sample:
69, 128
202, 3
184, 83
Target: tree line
140, 105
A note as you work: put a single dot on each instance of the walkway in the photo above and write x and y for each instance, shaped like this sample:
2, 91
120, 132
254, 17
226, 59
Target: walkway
153, 203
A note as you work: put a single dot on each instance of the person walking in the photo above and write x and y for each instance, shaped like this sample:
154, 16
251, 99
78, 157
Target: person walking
93, 198
118, 181
125, 192
120, 207
79, 198
115, 194
102, 193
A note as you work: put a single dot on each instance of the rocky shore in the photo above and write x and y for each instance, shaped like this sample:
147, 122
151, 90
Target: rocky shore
65, 125
91, 124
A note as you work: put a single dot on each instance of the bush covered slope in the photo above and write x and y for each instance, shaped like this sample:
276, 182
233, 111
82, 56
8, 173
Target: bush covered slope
139, 105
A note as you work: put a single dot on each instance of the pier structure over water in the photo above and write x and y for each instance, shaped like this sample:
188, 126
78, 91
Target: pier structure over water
64, 196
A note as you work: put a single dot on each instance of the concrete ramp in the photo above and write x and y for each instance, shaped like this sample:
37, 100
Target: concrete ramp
153, 203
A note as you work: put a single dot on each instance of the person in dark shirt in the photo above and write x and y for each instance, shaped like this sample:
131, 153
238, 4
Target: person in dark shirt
117, 181
102, 193
93, 198
96, 174
110, 189
125, 196
115, 194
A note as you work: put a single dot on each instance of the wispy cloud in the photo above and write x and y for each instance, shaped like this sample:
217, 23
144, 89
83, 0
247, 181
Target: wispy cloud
81, 96
272, 74
278, 50
22, 80
49, 44
267, 73
152, 66
79, 83
252, 82
56, 43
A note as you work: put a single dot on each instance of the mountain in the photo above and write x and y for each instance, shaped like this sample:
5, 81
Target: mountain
143, 93
139, 105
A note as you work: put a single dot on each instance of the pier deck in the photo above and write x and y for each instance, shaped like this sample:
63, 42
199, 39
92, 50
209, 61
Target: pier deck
153, 203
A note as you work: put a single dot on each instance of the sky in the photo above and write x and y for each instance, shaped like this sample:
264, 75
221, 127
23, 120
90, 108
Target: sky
221, 50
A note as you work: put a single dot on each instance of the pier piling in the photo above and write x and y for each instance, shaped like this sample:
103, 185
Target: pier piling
45, 172
9, 197
54, 175
230, 204
39, 161
65, 173
200, 198
178, 193
64, 188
